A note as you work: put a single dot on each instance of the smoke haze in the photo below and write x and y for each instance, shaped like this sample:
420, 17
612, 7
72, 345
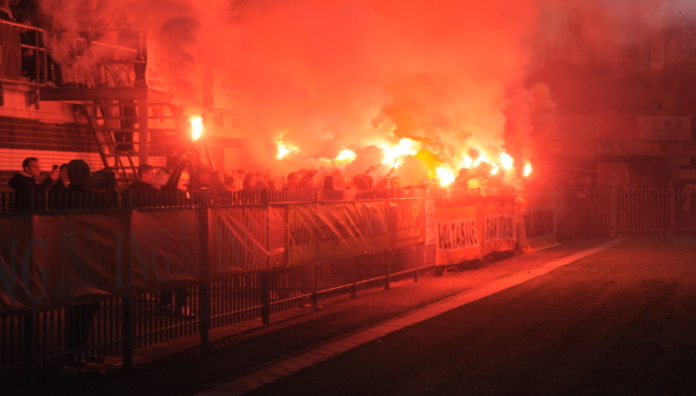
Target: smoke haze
332, 74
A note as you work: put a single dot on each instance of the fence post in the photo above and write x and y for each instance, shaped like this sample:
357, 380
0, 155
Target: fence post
204, 308
315, 287
265, 291
614, 213
354, 288
672, 210
29, 324
204, 289
127, 330
387, 269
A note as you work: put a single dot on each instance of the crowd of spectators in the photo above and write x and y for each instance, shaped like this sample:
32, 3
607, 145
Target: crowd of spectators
187, 177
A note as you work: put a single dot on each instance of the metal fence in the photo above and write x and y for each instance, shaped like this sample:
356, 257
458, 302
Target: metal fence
608, 212
34, 342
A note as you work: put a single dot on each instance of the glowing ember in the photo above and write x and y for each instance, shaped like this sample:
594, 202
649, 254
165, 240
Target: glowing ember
196, 127
345, 157
506, 161
495, 170
445, 175
527, 169
393, 154
284, 149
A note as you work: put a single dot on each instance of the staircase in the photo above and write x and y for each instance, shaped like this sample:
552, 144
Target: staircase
117, 125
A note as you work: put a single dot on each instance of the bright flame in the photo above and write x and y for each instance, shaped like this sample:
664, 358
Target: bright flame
284, 149
345, 157
495, 170
481, 158
196, 126
445, 175
468, 162
527, 169
506, 161
393, 154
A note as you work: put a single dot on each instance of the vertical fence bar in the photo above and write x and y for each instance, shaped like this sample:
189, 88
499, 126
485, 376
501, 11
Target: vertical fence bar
204, 297
128, 312
29, 333
614, 214
672, 210
315, 287
265, 297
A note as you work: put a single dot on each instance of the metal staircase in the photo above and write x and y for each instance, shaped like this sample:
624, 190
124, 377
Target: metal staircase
116, 127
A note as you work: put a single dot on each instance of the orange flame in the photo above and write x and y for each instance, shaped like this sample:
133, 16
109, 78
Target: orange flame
345, 157
284, 149
445, 175
495, 170
196, 126
506, 161
481, 158
527, 169
468, 162
393, 154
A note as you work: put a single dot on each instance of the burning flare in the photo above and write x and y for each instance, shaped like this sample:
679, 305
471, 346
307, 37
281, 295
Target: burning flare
393, 154
527, 169
196, 126
445, 175
345, 157
468, 162
495, 170
506, 161
481, 158
284, 149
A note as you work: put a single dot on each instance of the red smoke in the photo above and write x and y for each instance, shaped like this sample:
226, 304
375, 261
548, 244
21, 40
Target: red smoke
333, 74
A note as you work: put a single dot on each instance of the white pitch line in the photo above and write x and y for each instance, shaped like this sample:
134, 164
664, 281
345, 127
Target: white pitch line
295, 363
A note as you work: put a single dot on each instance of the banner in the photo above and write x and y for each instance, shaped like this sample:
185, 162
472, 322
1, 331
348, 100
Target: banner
238, 238
52, 260
499, 231
407, 222
473, 230
155, 76
22, 282
166, 246
328, 231
430, 223
537, 222
458, 234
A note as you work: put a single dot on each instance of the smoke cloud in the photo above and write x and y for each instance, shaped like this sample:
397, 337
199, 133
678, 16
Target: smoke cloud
332, 74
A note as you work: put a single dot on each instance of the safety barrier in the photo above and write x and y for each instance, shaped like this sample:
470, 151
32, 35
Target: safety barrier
612, 211
105, 274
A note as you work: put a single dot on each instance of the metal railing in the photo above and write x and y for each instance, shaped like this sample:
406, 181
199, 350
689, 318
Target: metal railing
125, 200
33, 342
612, 211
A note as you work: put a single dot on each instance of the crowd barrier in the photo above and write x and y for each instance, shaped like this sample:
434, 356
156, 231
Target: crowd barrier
93, 275
613, 211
